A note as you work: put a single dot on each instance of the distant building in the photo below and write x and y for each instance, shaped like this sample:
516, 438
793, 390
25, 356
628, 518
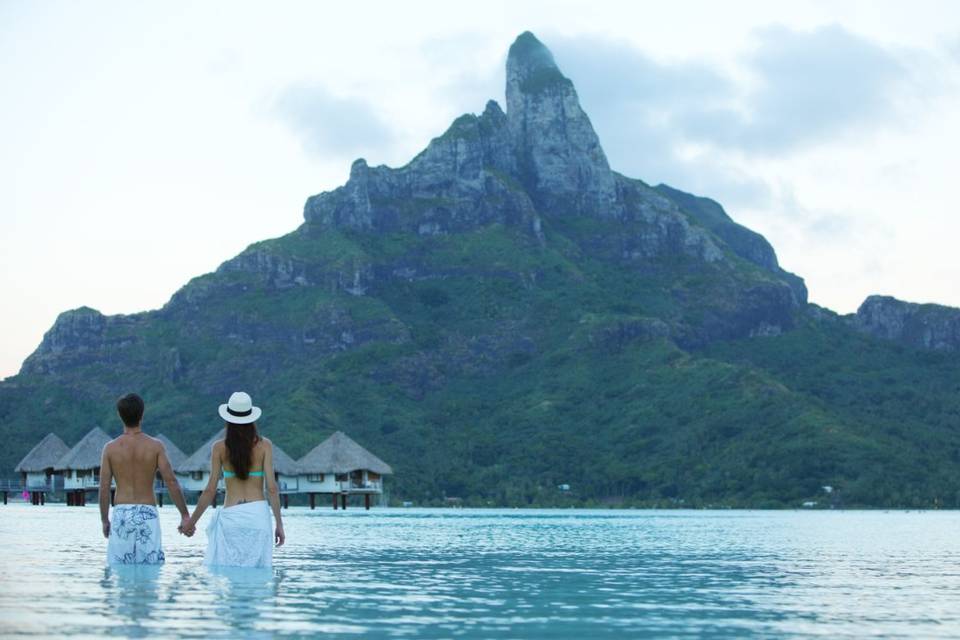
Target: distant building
81, 466
176, 458
37, 467
286, 470
174, 454
340, 466
194, 472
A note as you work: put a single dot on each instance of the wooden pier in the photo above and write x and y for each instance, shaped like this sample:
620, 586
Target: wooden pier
37, 493
339, 499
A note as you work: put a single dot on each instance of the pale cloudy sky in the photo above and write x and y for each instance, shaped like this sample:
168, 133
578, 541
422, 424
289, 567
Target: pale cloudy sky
144, 143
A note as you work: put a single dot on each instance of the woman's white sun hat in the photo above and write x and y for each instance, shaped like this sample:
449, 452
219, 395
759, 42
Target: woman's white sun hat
239, 409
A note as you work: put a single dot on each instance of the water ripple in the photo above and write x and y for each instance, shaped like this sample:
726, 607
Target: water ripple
499, 574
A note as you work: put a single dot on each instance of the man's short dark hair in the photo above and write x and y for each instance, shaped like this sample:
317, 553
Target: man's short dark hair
130, 408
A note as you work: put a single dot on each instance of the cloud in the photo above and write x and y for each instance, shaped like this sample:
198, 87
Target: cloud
640, 108
327, 124
811, 86
701, 125
791, 89
953, 48
466, 69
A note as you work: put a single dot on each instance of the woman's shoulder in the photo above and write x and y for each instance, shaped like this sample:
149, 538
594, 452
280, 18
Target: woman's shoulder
265, 443
220, 444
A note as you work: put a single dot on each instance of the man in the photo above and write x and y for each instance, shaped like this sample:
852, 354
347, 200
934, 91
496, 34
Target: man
133, 533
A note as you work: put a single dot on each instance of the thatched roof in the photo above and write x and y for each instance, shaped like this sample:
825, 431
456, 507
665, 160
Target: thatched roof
174, 454
43, 456
282, 463
340, 454
200, 459
86, 453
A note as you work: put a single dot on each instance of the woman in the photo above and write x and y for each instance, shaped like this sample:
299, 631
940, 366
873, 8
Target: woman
240, 534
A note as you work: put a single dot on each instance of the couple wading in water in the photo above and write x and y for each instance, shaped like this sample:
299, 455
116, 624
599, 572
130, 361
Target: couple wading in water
241, 534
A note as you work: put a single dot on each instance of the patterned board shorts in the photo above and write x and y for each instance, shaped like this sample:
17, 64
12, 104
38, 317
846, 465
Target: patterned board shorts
134, 535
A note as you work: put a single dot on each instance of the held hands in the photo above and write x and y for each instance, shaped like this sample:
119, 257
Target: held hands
187, 526
278, 535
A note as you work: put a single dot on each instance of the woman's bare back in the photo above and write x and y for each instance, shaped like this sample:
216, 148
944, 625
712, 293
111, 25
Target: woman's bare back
249, 489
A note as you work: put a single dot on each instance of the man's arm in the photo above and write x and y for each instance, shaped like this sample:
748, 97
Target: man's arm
106, 478
273, 492
173, 486
210, 491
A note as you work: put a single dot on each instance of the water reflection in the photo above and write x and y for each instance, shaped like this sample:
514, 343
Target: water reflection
131, 592
243, 596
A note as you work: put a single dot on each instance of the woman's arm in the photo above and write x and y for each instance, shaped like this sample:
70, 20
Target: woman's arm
210, 491
273, 493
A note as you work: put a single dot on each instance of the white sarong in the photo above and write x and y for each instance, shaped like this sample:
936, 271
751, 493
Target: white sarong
240, 536
134, 535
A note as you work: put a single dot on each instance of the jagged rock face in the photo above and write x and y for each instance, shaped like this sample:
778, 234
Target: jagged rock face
542, 159
924, 326
78, 337
655, 227
746, 243
559, 153
463, 180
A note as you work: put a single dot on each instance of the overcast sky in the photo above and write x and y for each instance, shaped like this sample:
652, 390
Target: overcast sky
145, 143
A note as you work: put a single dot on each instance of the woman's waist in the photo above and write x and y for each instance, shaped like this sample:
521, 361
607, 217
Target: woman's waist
237, 500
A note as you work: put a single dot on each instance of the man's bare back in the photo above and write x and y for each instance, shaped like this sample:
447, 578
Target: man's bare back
134, 460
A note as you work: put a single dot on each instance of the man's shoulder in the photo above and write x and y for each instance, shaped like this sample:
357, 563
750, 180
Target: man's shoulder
148, 443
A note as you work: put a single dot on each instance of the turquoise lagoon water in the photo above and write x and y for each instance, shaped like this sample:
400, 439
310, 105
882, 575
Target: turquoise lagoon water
421, 573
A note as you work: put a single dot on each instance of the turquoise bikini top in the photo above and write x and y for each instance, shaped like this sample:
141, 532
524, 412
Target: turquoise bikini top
255, 474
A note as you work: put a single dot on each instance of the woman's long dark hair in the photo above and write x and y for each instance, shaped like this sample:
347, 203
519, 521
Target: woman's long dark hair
241, 438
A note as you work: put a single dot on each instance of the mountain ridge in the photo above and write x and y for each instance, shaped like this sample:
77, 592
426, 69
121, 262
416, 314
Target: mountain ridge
509, 251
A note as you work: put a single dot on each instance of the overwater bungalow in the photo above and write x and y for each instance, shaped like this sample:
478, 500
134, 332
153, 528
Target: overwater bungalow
340, 467
194, 472
174, 454
37, 467
176, 458
286, 470
81, 466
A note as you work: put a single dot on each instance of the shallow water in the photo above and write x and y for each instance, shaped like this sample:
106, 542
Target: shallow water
392, 573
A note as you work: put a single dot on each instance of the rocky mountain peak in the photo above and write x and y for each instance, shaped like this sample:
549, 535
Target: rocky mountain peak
922, 326
493, 113
358, 169
529, 60
561, 160
75, 333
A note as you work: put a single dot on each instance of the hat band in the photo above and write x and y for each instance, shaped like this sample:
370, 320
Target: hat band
239, 414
